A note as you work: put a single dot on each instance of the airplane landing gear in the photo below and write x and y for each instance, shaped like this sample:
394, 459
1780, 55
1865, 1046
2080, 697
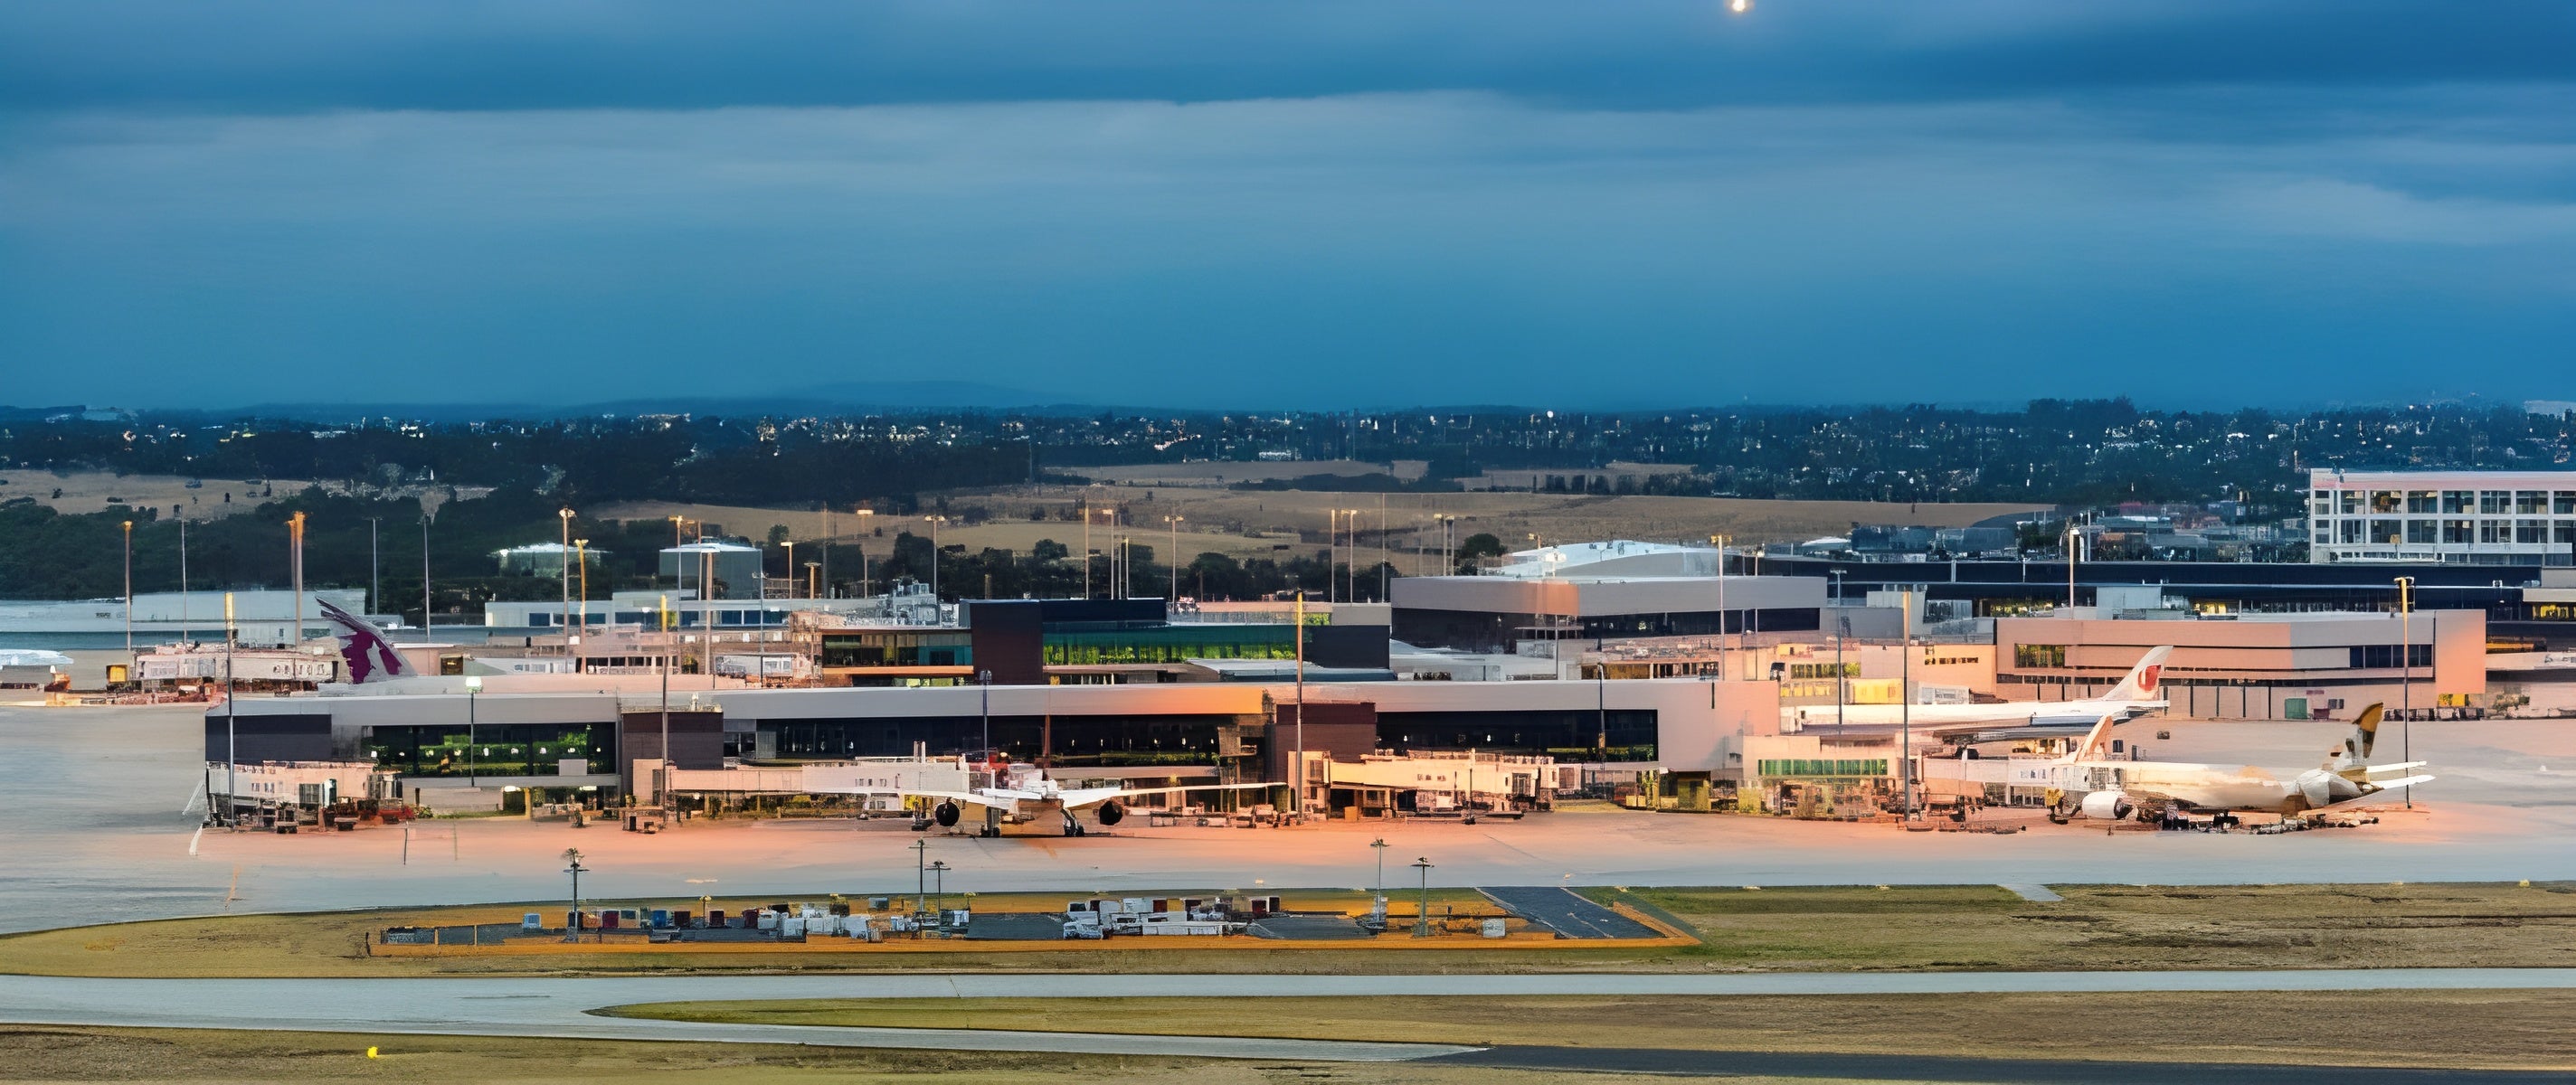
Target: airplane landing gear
1072, 827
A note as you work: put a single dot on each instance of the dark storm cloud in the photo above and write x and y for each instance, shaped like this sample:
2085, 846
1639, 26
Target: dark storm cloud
294, 55
1288, 204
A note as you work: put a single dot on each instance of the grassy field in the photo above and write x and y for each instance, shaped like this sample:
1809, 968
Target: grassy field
2103, 926
2481, 1029
1789, 929
45, 1053
1248, 524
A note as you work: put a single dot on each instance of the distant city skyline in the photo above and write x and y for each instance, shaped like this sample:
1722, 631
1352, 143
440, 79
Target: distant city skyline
1301, 207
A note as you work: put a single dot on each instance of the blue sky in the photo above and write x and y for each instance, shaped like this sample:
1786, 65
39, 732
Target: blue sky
1209, 203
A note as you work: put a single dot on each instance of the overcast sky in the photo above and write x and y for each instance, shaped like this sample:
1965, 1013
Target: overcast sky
1629, 203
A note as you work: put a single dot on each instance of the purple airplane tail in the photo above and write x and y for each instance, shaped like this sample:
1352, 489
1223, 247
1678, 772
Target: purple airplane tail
370, 654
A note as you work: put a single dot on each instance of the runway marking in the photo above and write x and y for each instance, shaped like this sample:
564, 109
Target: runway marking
194, 837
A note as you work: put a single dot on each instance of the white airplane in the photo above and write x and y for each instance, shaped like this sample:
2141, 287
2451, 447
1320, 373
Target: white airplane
2152, 789
2135, 696
1029, 795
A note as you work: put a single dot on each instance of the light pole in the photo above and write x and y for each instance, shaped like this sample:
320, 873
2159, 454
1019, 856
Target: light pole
791, 568
863, 550
1352, 568
813, 579
1379, 846
921, 876
375, 577
1173, 559
1422, 926
934, 522
1332, 554
573, 856
985, 680
566, 566
670, 649
581, 557
129, 595
1905, 706
295, 536
232, 756
1720, 540
939, 869
1842, 683
183, 576
424, 580
473, 686
1297, 634
2071, 539
2406, 684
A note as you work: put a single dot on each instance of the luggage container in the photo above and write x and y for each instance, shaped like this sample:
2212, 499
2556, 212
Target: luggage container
792, 927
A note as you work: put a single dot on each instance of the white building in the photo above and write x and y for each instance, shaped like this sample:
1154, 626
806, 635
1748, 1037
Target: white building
2470, 517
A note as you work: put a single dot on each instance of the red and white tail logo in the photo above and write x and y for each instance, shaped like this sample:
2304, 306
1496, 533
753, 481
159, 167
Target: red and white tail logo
2147, 677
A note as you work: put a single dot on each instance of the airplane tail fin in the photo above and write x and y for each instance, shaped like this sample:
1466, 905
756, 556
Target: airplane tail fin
2365, 733
2097, 742
2144, 682
370, 654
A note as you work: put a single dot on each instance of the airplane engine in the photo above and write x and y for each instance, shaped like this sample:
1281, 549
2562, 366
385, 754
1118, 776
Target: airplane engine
1111, 813
2107, 805
946, 813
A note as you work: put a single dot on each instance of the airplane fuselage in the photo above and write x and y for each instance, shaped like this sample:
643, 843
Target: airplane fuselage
2069, 714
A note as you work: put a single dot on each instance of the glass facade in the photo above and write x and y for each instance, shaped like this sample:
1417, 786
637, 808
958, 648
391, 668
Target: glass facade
898, 648
1570, 735
494, 750
1169, 644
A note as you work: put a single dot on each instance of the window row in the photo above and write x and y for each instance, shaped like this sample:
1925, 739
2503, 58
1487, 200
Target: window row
2484, 502
2396, 531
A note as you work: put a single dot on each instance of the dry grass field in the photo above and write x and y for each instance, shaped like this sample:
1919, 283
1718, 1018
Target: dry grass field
46, 1053
1852, 928
1249, 524
89, 491
2466, 1029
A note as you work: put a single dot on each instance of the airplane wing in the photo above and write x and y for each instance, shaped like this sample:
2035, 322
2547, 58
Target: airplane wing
2398, 767
2372, 798
1079, 798
998, 801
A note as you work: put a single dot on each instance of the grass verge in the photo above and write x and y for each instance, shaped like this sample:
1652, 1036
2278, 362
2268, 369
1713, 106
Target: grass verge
2465, 1029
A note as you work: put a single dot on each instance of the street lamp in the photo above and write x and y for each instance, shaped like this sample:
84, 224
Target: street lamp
921, 876
1353, 568
564, 563
581, 557
938, 886
1378, 895
863, 515
1422, 926
129, 595
934, 522
2406, 684
791, 568
985, 679
573, 856
1174, 558
473, 686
